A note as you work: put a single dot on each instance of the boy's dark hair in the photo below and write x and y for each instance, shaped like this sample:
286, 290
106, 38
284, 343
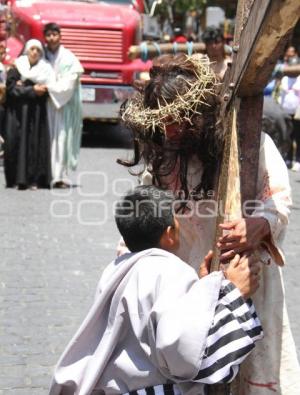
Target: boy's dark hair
143, 215
211, 34
51, 27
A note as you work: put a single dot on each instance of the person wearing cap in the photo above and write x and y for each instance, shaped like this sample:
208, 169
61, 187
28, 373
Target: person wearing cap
179, 37
27, 144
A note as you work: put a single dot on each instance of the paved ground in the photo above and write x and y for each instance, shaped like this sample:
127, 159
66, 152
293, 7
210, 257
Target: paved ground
53, 249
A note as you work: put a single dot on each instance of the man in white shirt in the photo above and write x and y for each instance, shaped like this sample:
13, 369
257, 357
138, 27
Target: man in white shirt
64, 106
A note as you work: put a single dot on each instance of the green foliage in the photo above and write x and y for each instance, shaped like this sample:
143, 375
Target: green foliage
179, 8
182, 6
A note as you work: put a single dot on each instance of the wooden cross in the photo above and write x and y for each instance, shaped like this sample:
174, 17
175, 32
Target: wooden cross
262, 30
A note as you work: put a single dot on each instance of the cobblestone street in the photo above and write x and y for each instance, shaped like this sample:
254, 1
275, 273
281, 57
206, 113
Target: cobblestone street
54, 246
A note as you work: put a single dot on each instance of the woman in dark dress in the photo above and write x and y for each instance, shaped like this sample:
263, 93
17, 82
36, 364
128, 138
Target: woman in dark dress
27, 144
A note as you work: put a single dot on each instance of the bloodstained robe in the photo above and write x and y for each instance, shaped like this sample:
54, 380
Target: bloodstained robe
27, 143
273, 366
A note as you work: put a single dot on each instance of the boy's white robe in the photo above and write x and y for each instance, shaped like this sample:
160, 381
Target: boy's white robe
149, 325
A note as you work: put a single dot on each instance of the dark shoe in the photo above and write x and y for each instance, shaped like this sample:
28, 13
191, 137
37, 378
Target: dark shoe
61, 185
21, 187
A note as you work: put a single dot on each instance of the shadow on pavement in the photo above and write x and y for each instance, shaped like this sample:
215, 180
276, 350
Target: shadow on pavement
107, 135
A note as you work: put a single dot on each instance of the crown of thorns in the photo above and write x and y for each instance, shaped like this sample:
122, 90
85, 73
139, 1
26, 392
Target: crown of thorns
184, 105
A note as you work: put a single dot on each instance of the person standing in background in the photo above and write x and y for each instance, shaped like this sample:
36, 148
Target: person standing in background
217, 50
27, 144
179, 37
2, 95
290, 102
64, 106
290, 56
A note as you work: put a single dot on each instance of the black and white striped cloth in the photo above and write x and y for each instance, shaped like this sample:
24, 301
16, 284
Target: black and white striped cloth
164, 389
231, 338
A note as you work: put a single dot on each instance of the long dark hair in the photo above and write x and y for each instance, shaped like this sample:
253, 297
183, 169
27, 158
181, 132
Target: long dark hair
170, 77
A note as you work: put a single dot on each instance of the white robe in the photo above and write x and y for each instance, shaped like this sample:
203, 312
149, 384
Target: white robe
64, 112
154, 322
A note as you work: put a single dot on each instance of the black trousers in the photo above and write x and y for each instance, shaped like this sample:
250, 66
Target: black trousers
2, 120
295, 138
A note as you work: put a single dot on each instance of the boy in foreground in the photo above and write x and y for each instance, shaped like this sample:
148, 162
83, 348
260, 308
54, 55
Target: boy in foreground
154, 327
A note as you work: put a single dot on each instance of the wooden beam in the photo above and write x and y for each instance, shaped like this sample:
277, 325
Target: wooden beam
245, 39
249, 127
229, 197
151, 50
242, 14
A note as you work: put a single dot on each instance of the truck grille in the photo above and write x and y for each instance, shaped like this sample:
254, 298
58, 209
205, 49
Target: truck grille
91, 45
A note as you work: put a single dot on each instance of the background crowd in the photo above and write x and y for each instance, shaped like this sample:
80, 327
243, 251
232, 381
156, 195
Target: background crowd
282, 97
41, 119
41, 116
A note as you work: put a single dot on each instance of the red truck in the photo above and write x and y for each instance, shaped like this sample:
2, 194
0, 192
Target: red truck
98, 32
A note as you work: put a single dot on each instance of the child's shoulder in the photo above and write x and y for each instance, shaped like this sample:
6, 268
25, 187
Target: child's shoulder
161, 263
